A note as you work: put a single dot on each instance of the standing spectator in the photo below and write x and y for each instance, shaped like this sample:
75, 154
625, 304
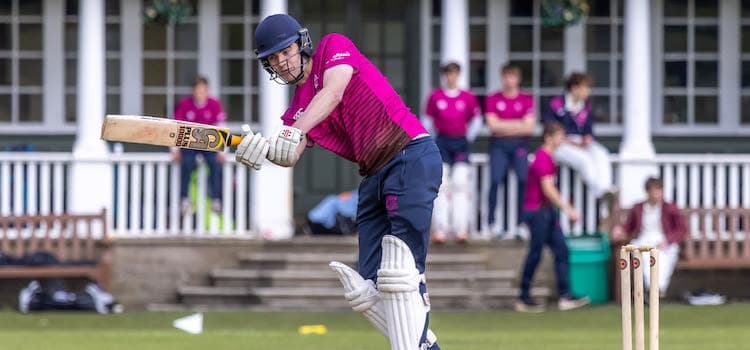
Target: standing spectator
455, 116
655, 223
580, 150
200, 108
540, 204
510, 118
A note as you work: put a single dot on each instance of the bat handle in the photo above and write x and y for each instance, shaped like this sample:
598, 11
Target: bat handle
235, 140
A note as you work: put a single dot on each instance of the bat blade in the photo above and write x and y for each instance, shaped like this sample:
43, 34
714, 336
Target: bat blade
167, 132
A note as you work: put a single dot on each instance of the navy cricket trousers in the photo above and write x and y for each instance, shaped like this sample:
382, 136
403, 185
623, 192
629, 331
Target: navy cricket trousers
544, 224
506, 153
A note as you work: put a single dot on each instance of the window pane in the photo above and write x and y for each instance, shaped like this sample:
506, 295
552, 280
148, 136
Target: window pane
478, 38
745, 109
6, 42
154, 72
599, 71
521, 8
552, 39
706, 110
478, 74
745, 8
30, 7
30, 72
4, 108
30, 107
600, 108
232, 7
186, 37
6, 75
706, 73
395, 33
113, 72
598, 38
5, 7
372, 32
254, 110
154, 37
113, 104
436, 38
551, 74
675, 38
71, 7
706, 8
675, 8
71, 72
394, 71
675, 110
234, 107
232, 72
155, 105
71, 37
477, 8
232, 37
706, 38
255, 71
745, 74
30, 37
523, 38
112, 7
527, 73
113, 37
599, 8
185, 72
70, 108
618, 110
675, 73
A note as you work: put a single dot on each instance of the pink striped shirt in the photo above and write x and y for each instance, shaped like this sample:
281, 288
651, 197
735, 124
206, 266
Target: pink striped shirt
371, 124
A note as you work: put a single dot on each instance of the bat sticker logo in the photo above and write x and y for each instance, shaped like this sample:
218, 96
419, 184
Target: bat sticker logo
205, 139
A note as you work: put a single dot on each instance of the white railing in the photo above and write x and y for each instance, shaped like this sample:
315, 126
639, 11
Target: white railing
146, 199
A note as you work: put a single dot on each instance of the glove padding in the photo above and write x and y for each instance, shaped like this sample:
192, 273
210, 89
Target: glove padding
253, 149
283, 146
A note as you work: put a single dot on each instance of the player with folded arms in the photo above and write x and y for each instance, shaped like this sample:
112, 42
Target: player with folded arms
344, 104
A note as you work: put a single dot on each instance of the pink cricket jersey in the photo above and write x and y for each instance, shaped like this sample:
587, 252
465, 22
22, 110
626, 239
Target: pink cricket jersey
509, 108
451, 114
543, 165
371, 124
209, 113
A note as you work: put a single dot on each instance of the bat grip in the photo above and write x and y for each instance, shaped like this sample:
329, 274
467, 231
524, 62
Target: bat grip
235, 140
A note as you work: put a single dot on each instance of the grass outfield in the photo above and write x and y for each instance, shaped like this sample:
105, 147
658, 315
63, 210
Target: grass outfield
683, 327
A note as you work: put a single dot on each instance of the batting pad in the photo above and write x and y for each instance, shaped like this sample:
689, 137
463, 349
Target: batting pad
461, 197
398, 282
361, 295
441, 210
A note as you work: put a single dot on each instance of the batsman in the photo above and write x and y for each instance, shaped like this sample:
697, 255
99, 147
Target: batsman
344, 104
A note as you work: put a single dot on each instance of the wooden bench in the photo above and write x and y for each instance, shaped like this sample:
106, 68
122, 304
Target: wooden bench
70, 238
717, 238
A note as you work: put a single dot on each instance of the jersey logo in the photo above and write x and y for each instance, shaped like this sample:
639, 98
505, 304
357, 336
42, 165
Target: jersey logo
442, 105
338, 56
500, 106
517, 106
460, 105
190, 115
298, 114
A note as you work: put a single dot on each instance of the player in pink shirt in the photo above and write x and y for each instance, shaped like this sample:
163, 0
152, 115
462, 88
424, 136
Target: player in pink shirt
204, 109
454, 115
541, 203
344, 104
510, 117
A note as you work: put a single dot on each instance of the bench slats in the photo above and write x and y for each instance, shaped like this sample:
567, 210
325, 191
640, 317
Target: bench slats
722, 239
59, 235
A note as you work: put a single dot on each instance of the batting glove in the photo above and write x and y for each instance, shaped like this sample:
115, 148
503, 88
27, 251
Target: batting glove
253, 148
283, 146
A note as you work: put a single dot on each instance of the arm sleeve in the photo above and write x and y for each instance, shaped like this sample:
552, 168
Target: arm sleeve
475, 126
221, 117
429, 108
680, 227
588, 128
337, 50
179, 113
629, 226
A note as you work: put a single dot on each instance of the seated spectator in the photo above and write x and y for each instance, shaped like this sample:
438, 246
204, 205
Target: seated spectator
655, 223
580, 150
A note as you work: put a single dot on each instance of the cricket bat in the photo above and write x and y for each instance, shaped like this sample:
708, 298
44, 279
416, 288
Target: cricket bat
167, 132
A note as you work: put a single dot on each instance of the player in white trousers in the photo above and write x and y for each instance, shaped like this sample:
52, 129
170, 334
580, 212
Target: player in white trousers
454, 117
